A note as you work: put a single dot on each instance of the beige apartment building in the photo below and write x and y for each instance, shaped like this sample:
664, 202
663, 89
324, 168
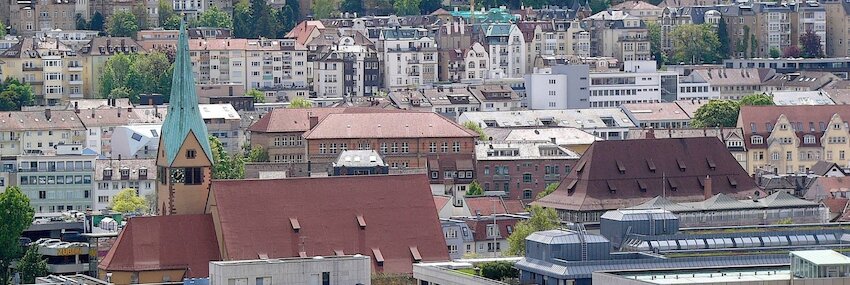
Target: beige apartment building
38, 132
791, 139
28, 17
838, 31
54, 70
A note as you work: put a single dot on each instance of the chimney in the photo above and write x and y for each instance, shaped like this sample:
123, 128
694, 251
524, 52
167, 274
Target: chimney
119, 112
47, 114
706, 188
313, 121
77, 107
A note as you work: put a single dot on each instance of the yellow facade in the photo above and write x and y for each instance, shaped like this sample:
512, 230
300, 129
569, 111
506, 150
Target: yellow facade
787, 153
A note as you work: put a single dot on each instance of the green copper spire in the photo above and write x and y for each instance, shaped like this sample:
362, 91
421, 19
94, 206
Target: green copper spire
183, 116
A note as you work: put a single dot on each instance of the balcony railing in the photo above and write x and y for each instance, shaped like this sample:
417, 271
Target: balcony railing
499, 177
32, 68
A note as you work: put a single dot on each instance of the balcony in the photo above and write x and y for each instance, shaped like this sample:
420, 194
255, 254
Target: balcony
68, 268
75, 95
413, 73
75, 68
413, 61
499, 177
75, 82
552, 177
9, 138
31, 68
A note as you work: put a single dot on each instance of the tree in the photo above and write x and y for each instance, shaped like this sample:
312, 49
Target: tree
287, 18
498, 270
406, 7
429, 6
716, 113
225, 166
549, 189
137, 74
542, 219
259, 97
655, 42
723, 38
214, 18
741, 46
474, 189
351, 6
597, 6
80, 22
811, 45
258, 154
300, 103
32, 265
122, 92
242, 25
14, 95
16, 215
2, 31
758, 99
165, 13
695, 43
139, 11
323, 9
474, 127
754, 46
127, 201
96, 22
123, 24
774, 53
791, 51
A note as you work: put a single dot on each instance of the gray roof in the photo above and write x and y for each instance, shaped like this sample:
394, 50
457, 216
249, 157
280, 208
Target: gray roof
576, 118
563, 237
360, 158
639, 214
722, 202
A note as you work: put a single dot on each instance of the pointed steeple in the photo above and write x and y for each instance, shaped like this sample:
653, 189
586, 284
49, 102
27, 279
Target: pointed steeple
183, 118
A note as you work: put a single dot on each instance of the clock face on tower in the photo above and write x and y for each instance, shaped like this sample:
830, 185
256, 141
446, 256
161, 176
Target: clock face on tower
177, 175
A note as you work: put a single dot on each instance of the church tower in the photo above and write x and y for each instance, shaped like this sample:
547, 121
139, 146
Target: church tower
184, 162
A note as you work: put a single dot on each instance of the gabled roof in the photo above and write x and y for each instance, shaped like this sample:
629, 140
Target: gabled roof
486, 205
108, 117
186, 242
660, 203
279, 218
37, 120
761, 116
479, 227
283, 120
388, 125
634, 5
823, 167
184, 117
623, 173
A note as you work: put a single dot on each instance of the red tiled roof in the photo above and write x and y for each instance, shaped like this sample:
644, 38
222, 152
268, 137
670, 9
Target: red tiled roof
256, 217
388, 125
282, 120
597, 183
440, 202
836, 205
762, 115
165, 242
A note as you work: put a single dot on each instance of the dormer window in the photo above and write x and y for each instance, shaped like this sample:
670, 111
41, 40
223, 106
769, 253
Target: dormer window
107, 174
143, 173
809, 139
125, 173
757, 140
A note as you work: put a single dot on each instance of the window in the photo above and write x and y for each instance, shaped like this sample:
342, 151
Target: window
774, 156
383, 147
526, 178
264, 281
757, 140
103, 199
444, 147
42, 194
432, 148
456, 147
326, 278
190, 154
809, 139
405, 147
452, 248
526, 194
323, 148
193, 176
394, 148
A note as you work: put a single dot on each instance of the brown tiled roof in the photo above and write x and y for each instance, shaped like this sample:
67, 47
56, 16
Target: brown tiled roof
836, 205
37, 120
831, 184
165, 242
302, 31
108, 117
479, 227
611, 174
634, 5
484, 206
281, 217
762, 115
388, 125
111, 45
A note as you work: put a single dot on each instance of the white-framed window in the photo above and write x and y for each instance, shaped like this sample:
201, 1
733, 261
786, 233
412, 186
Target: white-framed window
757, 140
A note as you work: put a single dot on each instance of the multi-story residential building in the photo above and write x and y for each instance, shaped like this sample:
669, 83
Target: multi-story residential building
791, 139
639, 82
495, 97
643, 10
38, 132
695, 87
838, 31
74, 39
609, 124
52, 68
459, 238
490, 234
193, 9
742, 27
93, 57
410, 58
453, 40
113, 175
405, 139
28, 17
346, 69
559, 87
733, 83
799, 81
147, 8
619, 35
473, 64
223, 122
507, 50
774, 30
810, 16
669, 19
276, 67
521, 169
451, 102
59, 181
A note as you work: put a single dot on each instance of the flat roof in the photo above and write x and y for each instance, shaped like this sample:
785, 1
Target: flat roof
711, 276
823, 257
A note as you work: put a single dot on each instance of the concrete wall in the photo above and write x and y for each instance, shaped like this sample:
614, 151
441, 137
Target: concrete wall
295, 271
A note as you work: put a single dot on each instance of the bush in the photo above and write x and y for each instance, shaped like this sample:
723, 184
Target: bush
498, 270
